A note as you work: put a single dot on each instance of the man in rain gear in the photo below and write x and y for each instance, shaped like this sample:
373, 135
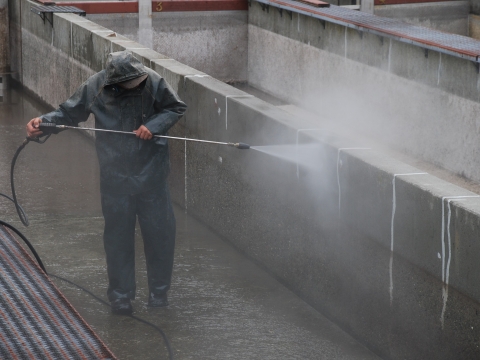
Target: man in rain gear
127, 96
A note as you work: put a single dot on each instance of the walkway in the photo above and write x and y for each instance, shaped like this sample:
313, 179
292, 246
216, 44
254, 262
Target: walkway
222, 305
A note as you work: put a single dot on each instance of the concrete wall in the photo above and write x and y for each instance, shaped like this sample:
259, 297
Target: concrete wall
474, 26
15, 39
4, 50
214, 42
394, 263
449, 16
424, 104
475, 7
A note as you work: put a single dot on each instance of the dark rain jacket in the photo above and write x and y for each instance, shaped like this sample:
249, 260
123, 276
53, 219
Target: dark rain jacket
128, 165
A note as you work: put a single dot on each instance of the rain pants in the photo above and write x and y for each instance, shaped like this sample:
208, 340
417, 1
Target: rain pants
133, 172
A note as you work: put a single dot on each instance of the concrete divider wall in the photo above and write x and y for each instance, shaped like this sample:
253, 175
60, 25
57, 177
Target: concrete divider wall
422, 103
214, 42
327, 232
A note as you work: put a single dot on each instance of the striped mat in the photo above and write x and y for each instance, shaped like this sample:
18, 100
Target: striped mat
36, 320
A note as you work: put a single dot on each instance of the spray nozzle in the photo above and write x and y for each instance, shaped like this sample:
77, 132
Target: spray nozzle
240, 145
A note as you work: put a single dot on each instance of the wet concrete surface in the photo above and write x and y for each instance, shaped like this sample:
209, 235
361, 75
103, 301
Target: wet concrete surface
222, 306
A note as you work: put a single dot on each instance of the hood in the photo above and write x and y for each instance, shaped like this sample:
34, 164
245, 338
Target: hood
122, 66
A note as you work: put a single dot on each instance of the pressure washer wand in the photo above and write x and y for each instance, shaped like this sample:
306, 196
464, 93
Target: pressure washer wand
51, 127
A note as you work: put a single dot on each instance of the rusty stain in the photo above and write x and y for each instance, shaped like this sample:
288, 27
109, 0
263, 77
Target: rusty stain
199, 5
103, 7
111, 7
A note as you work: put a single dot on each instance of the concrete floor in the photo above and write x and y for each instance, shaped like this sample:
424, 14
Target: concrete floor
223, 306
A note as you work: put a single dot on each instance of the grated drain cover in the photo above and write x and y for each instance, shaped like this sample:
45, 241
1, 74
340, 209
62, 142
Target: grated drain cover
36, 320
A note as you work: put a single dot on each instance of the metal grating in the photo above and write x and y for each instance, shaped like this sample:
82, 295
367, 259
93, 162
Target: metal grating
57, 9
36, 320
456, 45
42, 11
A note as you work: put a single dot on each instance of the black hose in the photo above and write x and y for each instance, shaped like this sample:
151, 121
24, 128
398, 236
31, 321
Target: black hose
24, 219
21, 213
21, 209
32, 249
30, 246
164, 336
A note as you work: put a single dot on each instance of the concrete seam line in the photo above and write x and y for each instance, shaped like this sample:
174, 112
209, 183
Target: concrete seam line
71, 40
389, 55
446, 269
394, 206
185, 145
226, 106
186, 202
296, 147
439, 71
452, 197
338, 174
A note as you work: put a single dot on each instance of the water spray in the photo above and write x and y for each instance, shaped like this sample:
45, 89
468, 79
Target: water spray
54, 128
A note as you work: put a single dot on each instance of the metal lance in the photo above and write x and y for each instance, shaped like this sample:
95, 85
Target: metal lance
54, 128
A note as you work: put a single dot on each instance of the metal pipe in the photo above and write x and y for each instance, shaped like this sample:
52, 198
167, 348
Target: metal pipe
48, 127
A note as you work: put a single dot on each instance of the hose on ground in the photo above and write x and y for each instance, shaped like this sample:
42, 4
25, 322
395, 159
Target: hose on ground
30, 246
24, 219
40, 263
